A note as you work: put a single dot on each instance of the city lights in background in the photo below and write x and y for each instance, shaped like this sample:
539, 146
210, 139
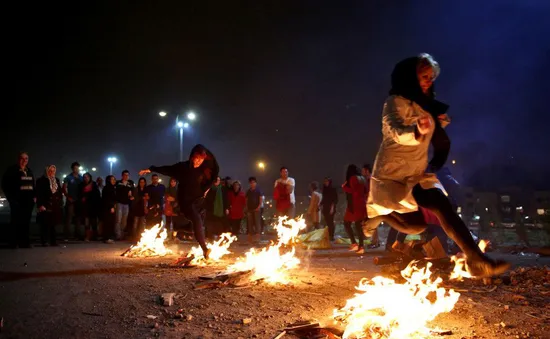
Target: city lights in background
453, 162
261, 165
111, 161
162, 114
94, 169
191, 116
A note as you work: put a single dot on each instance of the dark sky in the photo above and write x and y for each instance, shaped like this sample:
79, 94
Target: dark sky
295, 83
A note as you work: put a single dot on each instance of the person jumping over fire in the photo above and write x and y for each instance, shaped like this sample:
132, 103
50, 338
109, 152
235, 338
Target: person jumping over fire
195, 178
400, 183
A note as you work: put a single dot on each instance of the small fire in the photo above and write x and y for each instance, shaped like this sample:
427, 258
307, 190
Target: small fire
385, 309
460, 271
151, 243
273, 262
218, 249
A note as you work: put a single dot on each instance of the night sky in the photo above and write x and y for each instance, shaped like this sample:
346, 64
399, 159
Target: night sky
294, 83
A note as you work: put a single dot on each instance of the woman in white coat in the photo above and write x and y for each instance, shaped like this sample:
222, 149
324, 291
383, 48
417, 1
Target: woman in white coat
399, 182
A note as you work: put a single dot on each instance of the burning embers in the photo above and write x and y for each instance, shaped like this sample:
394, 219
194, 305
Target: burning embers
271, 264
386, 309
151, 244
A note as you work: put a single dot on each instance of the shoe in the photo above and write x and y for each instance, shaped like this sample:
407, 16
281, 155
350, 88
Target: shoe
207, 254
353, 248
361, 251
486, 267
373, 246
109, 241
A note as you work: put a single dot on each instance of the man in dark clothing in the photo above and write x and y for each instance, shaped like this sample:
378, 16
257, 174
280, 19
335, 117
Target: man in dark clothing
215, 205
124, 197
195, 178
18, 186
156, 197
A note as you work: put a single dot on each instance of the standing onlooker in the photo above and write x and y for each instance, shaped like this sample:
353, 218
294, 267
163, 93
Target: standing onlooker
366, 173
285, 201
171, 204
124, 197
314, 209
18, 186
237, 201
100, 185
262, 221
108, 199
328, 205
49, 201
90, 206
140, 207
215, 205
71, 184
254, 201
356, 211
156, 192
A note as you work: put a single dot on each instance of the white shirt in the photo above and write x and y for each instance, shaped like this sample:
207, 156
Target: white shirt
289, 181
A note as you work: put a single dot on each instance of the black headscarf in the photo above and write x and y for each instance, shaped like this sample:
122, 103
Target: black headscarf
405, 83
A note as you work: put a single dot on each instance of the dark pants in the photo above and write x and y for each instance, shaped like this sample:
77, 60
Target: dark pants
394, 235
329, 220
70, 214
262, 222
358, 230
19, 234
235, 226
213, 225
109, 221
192, 212
438, 203
47, 228
253, 225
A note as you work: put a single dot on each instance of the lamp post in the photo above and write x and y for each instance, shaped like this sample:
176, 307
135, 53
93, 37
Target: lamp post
181, 124
111, 161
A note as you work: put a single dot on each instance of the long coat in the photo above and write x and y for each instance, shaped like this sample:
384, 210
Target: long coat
402, 159
356, 210
314, 209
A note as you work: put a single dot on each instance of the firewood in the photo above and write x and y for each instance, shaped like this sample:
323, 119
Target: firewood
280, 335
303, 327
208, 284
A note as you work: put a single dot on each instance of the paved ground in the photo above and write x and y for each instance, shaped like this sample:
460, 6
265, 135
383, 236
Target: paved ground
86, 290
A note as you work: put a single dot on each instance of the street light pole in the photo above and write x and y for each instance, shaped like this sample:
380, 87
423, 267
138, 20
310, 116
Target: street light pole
111, 161
181, 144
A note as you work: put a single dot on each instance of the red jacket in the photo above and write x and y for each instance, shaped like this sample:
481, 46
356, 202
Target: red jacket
237, 203
282, 198
357, 188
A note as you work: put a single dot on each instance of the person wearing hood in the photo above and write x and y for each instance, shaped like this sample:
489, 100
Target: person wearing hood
328, 205
195, 177
401, 180
108, 209
49, 202
18, 186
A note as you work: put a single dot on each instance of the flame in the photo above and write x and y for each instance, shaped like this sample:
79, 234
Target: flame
460, 271
151, 243
273, 262
218, 249
385, 309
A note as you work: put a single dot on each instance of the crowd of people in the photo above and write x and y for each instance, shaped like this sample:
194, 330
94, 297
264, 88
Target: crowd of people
403, 190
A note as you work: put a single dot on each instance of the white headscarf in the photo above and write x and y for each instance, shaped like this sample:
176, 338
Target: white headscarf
53, 182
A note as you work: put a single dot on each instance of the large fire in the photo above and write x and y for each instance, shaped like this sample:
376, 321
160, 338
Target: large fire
218, 249
273, 262
151, 243
460, 270
385, 309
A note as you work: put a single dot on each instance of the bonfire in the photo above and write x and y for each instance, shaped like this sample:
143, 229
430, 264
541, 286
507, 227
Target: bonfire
218, 249
273, 262
151, 243
385, 309
460, 270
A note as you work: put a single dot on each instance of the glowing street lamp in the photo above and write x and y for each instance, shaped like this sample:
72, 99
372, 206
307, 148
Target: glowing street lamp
162, 114
191, 116
179, 124
94, 169
111, 161
261, 165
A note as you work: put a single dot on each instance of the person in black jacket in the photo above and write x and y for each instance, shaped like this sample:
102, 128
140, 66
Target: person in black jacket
49, 202
328, 205
195, 178
18, 186
108, 209
90, 205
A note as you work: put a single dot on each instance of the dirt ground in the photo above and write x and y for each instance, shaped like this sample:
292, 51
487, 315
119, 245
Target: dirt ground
87, 290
